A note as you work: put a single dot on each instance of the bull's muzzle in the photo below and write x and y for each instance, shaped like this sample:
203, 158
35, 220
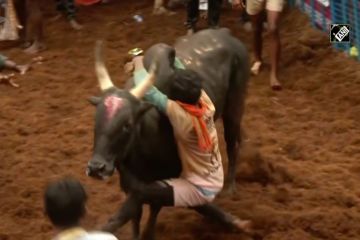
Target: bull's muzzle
96, 169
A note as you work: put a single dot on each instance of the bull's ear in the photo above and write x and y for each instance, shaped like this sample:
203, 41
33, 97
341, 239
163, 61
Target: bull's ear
94, 100
142, 109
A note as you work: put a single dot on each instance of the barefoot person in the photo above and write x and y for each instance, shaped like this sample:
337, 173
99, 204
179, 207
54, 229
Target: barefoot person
5, 63
67, 7
274, 8
65, 207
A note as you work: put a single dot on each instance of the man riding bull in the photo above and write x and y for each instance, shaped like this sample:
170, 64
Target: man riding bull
191, 113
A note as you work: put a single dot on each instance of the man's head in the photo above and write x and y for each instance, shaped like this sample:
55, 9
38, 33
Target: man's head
65, 202
185, 86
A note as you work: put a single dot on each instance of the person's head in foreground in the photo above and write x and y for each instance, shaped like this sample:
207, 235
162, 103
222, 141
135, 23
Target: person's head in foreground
185, 86
65, 202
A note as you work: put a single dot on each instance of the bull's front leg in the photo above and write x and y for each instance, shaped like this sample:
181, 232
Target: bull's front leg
130, 210
232, 117
149, 232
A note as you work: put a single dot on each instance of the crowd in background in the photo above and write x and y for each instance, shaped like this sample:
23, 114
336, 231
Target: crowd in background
252, 11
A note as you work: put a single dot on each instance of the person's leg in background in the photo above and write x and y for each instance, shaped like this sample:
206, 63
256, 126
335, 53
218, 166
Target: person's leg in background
6, 63
214, 10
71, 14
192, 16
254, 9
274, 8
34, 27
275, 48
68, 8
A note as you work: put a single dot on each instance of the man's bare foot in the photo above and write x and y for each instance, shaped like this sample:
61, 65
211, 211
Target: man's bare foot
38, 60
275, 84
25, 45
75, 25
24, 68
8, 79
170, 13
34, 48
56, 18
190, 31
245, 226
247, 26
162, 10
255, 69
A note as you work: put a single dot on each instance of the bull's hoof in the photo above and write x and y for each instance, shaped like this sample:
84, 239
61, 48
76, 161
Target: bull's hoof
230, 189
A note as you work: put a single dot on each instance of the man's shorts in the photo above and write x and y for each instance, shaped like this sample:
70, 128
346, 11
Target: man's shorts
2, 61
254, 7
187, 194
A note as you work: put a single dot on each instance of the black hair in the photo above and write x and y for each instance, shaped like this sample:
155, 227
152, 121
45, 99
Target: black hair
65, 202
185, 86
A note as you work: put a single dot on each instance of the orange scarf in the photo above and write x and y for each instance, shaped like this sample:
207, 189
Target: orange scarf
197, 113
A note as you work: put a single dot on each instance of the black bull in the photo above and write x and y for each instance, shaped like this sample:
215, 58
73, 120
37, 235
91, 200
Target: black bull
139, 140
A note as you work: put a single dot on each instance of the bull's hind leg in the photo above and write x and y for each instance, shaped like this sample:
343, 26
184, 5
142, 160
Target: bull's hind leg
232, 133
149, 232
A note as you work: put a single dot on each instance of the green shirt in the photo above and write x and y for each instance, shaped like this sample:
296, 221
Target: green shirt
154, 95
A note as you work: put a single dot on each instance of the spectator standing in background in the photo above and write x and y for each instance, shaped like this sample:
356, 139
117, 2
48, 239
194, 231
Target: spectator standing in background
255, 9
214, 9
67, 7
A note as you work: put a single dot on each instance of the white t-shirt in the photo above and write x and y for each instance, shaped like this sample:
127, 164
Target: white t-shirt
81, 234
98, 236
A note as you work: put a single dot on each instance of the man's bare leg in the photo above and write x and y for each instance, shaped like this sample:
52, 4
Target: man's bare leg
215, 213
22, 69
34, 31
275, 47
257, 27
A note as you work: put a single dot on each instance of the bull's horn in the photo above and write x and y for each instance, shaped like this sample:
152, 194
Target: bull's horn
100, 68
